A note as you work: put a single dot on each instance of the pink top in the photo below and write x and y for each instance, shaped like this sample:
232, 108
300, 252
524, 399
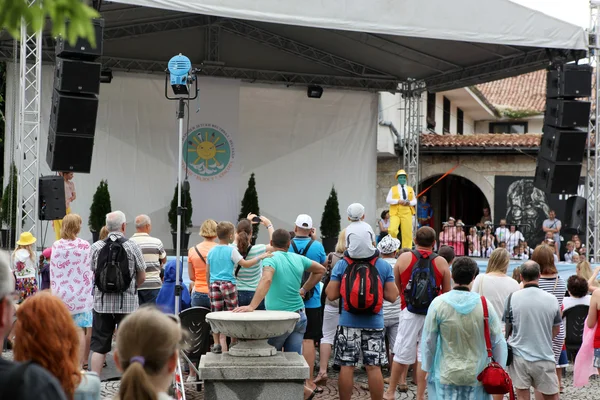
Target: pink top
71, 276
69, 190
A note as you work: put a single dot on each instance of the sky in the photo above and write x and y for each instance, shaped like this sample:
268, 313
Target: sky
573, 11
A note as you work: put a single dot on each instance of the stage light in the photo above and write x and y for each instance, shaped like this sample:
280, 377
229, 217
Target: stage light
106, 75
179, 68
315, 92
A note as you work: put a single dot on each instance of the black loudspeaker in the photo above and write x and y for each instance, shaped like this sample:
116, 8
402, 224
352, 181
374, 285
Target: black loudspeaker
567, 113
563, 144
572, 81
75, 114
559, 178
51, 198
575, 215
66, 152
75, 76
82, 50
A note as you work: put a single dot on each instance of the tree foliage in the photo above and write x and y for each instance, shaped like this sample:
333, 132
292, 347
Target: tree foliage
250, 204
78, 14
186, 200
331, 220
8, 213
100, 207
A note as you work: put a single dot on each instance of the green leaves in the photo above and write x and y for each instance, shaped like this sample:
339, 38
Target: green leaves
250, 204
100, 207
331, 220
78, 15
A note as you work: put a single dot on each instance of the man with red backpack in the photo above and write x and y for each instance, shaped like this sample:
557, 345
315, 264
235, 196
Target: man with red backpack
362, 284
421, 275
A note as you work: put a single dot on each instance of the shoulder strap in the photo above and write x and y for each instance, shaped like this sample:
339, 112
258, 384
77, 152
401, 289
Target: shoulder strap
329, 260
199, 255
305, 251
510, 318
237, 269
293, 243
248, 252
555, 283
486, 327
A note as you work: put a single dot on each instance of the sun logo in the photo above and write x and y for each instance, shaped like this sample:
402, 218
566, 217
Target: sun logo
207, 151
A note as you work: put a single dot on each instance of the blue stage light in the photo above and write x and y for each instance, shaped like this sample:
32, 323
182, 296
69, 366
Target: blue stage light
179, 68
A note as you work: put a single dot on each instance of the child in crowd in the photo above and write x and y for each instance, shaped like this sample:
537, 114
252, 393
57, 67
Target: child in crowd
24, 266
570, 252
472, 251
360, 237
516, 275
526, 249
147, 361
488, 246
459, 244
166, 296
575, 259
519, 253
44, 268
221, 262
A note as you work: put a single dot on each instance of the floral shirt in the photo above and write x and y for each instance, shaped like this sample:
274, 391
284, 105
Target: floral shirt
23, 265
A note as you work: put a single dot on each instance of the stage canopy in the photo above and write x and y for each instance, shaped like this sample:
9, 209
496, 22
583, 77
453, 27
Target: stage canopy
359, 45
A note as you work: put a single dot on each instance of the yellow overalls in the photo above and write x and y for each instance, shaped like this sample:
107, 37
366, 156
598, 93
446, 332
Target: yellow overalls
402, 216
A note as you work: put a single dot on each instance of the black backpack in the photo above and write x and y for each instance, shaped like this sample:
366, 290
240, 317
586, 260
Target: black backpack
112, 271
306, 274
421, 289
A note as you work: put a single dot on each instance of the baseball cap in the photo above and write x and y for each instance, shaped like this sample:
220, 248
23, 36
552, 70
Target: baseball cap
304, 221
388, 245
355, 211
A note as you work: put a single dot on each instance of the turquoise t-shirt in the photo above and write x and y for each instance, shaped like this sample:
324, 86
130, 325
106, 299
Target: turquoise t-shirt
222, 260
284, 293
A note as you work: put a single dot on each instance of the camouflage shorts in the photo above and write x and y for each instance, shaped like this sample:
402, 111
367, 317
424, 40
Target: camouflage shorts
350, 342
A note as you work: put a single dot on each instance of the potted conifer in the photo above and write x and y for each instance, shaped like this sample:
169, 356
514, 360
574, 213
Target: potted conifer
250, 205
8, 212
186, 217
330, 222
98, 210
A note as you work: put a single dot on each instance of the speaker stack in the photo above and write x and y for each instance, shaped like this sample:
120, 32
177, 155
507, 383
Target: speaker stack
75, 103
51, 198
565, 129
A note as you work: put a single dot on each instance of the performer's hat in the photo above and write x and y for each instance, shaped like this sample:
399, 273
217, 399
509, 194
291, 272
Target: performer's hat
400, 172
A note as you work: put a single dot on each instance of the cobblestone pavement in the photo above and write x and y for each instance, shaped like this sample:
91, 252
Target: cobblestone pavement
330, 392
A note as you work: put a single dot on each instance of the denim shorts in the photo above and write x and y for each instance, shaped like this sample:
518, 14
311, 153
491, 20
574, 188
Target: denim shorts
597, 358
83, 319
291, 342
200, 300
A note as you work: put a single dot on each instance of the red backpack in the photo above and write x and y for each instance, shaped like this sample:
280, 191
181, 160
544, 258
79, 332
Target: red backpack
361, 287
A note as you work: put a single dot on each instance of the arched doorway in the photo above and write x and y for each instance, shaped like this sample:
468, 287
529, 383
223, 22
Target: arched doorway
454, 196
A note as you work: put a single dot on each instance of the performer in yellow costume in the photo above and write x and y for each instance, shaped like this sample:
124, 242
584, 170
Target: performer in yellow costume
402, 201
70, 196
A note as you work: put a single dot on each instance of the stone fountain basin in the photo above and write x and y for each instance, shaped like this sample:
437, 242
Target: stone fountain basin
256, 325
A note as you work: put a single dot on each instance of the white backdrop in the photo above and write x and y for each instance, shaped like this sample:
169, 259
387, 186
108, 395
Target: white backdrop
297, 147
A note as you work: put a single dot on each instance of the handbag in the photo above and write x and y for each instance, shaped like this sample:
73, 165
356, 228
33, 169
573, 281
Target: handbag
494, 379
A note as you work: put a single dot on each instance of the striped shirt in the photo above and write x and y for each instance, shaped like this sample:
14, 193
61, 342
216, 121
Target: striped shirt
248, 278
558, 288
118, 303
153, 251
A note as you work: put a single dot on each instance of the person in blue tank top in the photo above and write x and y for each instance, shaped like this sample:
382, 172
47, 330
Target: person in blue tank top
220, 265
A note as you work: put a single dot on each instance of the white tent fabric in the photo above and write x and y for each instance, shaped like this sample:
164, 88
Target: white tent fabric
490, 21
298, 148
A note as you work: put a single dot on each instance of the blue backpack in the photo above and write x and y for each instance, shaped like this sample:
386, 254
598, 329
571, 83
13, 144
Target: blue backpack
421, 289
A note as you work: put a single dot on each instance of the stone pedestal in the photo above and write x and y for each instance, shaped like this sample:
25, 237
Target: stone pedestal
253, 378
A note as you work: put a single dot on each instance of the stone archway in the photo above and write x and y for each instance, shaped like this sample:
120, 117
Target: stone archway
455, 196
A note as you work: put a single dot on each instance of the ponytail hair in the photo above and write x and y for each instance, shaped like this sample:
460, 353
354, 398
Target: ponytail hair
244, 235
143, 357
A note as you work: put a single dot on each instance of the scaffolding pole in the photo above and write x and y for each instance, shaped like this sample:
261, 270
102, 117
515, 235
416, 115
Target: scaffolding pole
412, 94
29, 124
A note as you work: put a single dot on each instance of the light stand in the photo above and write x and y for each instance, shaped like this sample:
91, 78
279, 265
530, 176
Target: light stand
180, 209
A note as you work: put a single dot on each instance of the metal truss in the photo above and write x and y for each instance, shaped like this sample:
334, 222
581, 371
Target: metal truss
299, 49
498, 69
213, 35
592, 181
412, 92
29, 117
144, 28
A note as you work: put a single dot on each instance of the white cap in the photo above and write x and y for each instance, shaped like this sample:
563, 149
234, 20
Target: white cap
356, 211
304, 221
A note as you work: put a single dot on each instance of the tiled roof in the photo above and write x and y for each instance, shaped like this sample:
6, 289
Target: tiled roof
523, 93
488, 140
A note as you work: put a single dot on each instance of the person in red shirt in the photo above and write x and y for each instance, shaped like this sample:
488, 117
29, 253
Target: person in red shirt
411, 324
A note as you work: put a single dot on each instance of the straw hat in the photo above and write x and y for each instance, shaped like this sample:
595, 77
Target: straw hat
26, 239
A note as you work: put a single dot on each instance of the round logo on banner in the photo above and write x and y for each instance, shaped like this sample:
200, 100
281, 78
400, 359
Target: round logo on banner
208, 151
